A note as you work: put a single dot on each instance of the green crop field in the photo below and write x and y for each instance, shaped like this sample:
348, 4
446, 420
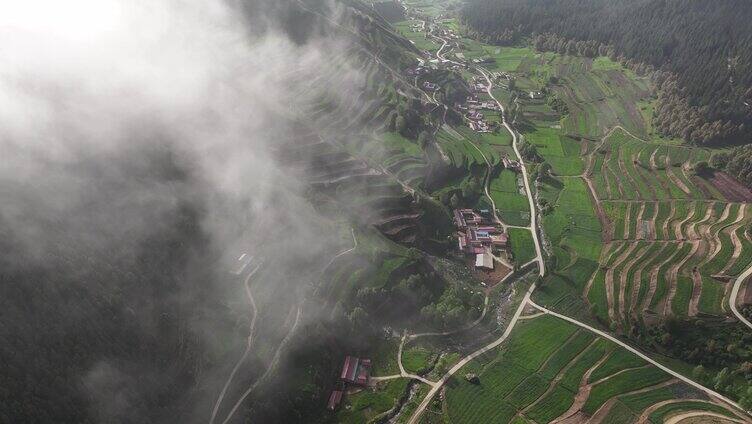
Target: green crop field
659, 415
618, 360
563, 153
512, 205
627, 381
537, 377
522, 244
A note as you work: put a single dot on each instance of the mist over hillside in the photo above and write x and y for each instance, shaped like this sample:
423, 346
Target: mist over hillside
138, 165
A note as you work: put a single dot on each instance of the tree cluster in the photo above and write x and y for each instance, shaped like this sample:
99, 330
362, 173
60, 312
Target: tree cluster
455, 307
703, 50
737, 163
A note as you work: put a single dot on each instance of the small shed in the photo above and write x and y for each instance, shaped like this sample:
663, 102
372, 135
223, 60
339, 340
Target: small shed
484, 261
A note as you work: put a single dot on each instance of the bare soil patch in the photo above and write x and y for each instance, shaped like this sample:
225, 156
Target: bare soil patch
730, 188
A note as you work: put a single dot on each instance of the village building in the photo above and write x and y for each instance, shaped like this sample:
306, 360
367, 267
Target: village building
479, 87
536, 95
511, 164
465, 217
415, 71
430, 86
479, 126
334, 400
475, 115
356, 371
484, 261
489, 105
477, 234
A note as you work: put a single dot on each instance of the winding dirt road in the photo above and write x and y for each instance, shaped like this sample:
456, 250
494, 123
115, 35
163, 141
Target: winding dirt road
251, 332
735, 294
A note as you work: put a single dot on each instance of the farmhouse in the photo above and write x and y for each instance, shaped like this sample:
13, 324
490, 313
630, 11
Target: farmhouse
479, 126
334, 400
484, 261
510, 164
479, 87
356, 371
475, 115
476, 233
430, 86
536, 95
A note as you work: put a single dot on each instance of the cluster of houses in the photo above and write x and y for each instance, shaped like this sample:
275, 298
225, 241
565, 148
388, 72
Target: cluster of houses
510, 164
479, 235
475, 117
478, 86
355, 371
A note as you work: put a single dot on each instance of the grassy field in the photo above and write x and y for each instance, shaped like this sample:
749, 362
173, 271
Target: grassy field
416, 359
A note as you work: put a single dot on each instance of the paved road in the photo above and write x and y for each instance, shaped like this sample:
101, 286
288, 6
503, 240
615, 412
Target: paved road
640, 354
404, 373
437, 386
528, 192
735, 295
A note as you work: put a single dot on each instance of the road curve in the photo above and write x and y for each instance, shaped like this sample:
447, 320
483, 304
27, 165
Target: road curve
735, 294
641, 355
403, 372
249, 340
439, 384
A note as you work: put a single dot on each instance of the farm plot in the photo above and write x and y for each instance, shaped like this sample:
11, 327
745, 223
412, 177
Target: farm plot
679, 269
505, 190
599, 97
562, 153
523, 247
551, 370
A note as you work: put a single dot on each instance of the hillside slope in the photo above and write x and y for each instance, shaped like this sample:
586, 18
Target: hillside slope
706, 46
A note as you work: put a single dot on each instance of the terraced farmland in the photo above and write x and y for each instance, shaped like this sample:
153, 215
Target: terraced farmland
684, 241
569, 375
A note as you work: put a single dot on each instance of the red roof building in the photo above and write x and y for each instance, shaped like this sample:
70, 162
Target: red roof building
334, 400
476, 235
356, 371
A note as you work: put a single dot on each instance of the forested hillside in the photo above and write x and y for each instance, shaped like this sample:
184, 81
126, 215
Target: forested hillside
737, 162
703, 50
